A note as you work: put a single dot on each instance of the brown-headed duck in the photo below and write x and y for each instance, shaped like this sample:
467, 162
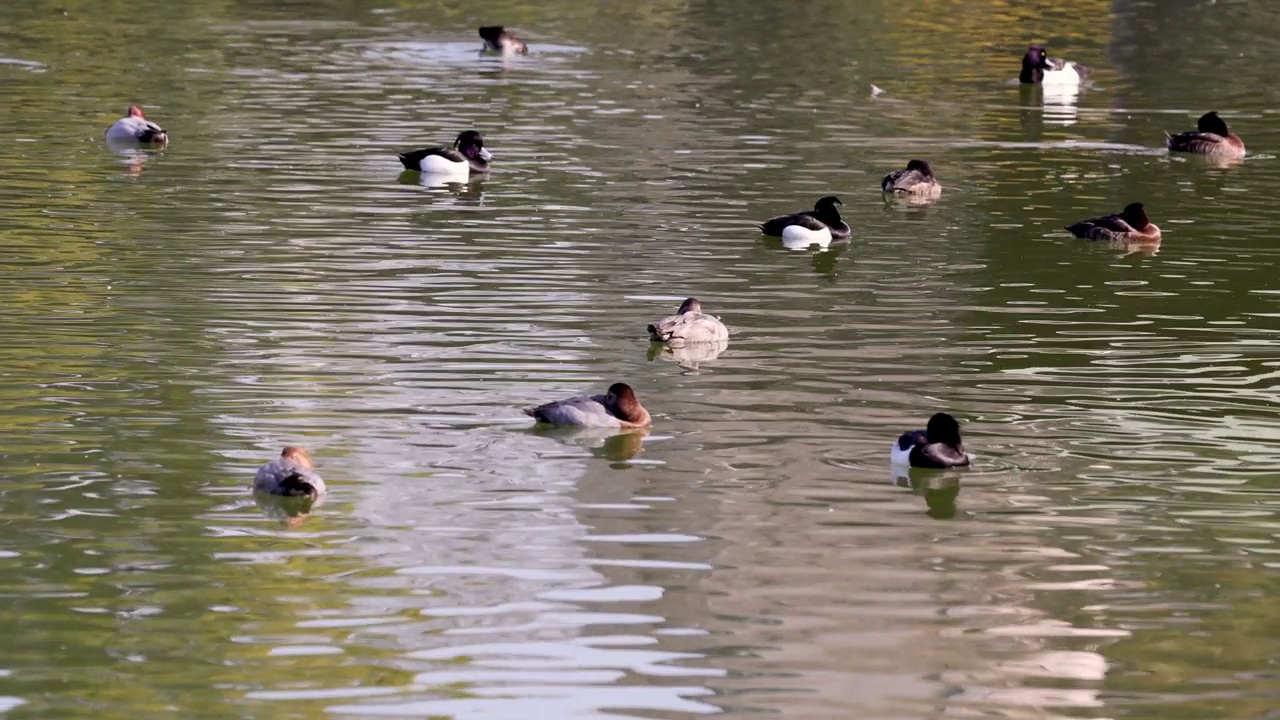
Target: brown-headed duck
1128, 225
937, 446
289, 475
618, 408
467, 155
688, 325
497, 39
1211, 137
135, 128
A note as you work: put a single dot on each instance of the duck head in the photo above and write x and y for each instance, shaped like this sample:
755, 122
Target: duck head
136, 111
492, 36
1034, 63
921, 166
296, 455
1211, 123
1136, 216
826, 210
470, 144
689, 305
943, 428
627, 404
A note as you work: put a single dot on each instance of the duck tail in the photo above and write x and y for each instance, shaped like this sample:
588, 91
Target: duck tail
296, 485
412, 160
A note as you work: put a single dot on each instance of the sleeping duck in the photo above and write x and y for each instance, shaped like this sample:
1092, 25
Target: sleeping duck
1040, 69
1211, 137
916, 179
1128, 225
135, 128
497, 39
937, 446
688, 325
618, 408
289, 475
458, 162
817, 226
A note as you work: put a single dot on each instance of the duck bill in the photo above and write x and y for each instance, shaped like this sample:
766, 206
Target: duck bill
486, 155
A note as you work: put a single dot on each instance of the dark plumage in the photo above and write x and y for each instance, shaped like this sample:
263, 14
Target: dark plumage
467, 148
937, 446
1130, 224
915, 179
1211, 137
823, 215
497, 39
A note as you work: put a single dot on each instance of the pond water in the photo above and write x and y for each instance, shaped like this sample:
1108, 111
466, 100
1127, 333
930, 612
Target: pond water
172, 318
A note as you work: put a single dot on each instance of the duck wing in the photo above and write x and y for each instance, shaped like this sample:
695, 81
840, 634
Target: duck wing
775, 225
692, 327
583, 410
1105, 227
938, 455
1062, 64
412, 160
904, 180
1194, 142
662, 330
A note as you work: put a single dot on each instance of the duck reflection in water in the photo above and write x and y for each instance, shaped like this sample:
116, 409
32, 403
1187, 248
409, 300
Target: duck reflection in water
616, 446
690, 356
939, 490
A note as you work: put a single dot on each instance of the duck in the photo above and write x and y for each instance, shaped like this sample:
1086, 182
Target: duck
467, 155
289, 475
617, 408
688, 325
1211, 137
1040, 69
1130, 224
134, 127
818, 225
916, 179
937, 446
497, 39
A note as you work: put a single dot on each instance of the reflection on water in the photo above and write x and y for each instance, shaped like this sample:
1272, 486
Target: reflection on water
272, 278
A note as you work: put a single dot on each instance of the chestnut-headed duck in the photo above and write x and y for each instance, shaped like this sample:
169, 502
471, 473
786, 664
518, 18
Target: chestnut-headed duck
1211, 137
1040, 69
497, 39
289, 475
1129, 225
817, 226
617, 408
915, 179
688, 325
465, 157
937, 446
135, 128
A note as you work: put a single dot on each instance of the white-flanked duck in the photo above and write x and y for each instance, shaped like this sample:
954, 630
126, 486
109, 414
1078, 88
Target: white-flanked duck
688, 325
1128, 225
1211, 137
289, 475
816, 227
618, 408
135, 129
458, 162
916, 180
1040, 69
497, 39
937, 446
